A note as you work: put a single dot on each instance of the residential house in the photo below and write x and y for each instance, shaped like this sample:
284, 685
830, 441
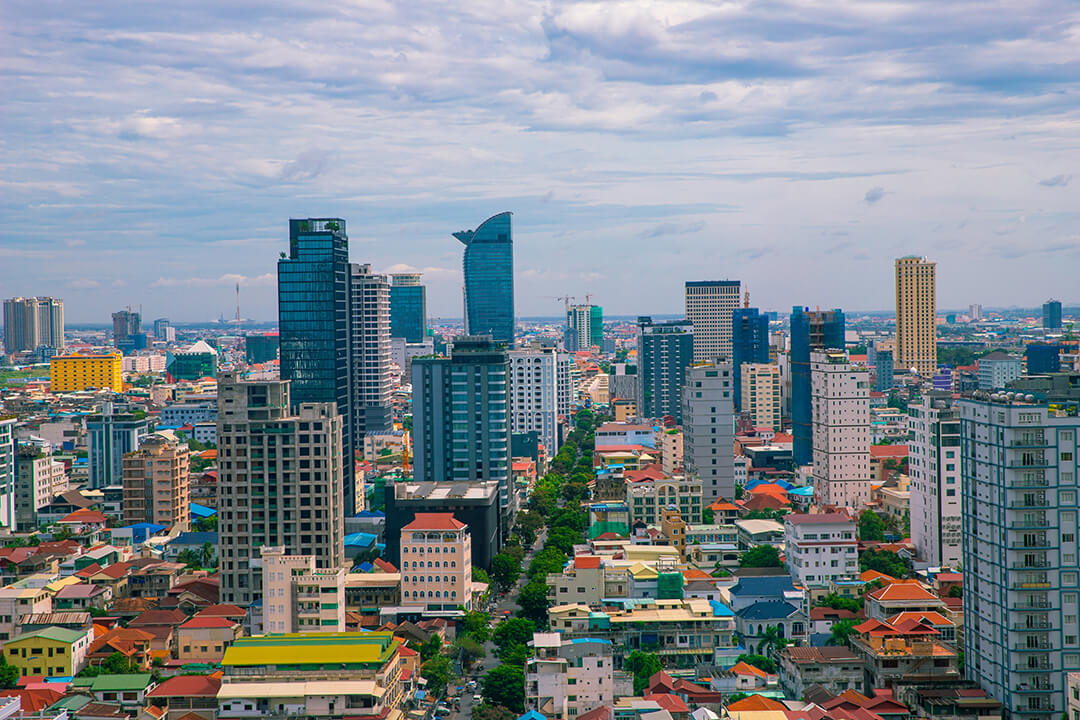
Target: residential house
126, 690
567, 678
51, 652
834, 668
754, 622
154, 579
185, 695
754, 533
162, 624
909, 652
19, 600
82, 596
136, 646
205, 639
900, 597
751, 589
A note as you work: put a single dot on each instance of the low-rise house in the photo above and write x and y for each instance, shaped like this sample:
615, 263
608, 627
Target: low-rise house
50, 652
750, 589
834, 668
82, 596
820, 548
113, 576
823, 618
70, 620
900, 597
19, 600
86, 523
963, 701
193, 541
187, 695
155, 579
162, 624
909, 652
567, 678
754, 622
126, 690
205, 639
136, 646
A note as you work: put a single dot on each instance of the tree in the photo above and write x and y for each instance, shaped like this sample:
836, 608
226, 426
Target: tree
515, 655
563, 539
484, 711
838, 602
735, 697
871, 527
759, 661
642, 666
207, 524
840, 632
505, 570
955, 591
475, 625
534, 602
547, 561
206, 555
513, 631
9, 674
190, 558
761, 556
707, 516
885, 562
472, 649
505, 686
431, 648
772, 641
438, 673
479, 574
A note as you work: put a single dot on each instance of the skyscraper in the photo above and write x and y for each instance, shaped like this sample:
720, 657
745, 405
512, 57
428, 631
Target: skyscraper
883, 368
408, 307
461, 429
810, 330
287, 491
157, 488
916, 320
161, 329
840, 399
709, 305
935, 479
749, 344
761, 394
126, 325
112, 433
31, 323
539, 393
1019, 524
709, 429
584, 327
488, 267
1051, 315
370, 352
665, 350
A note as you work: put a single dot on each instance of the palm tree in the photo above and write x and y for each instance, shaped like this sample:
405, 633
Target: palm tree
772, 641
206, 555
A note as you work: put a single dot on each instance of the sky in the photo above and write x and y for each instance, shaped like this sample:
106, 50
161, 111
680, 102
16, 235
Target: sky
152, 153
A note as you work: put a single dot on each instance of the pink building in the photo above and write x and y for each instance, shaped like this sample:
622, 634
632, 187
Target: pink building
436, 563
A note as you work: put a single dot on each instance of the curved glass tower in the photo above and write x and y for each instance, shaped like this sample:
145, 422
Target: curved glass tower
489, 279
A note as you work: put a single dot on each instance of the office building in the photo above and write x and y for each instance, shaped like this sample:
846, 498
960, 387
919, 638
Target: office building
820, 548
280, 481
709, 306
7, 472
1042, 358
539, 393
709, 430
408, 307
261, 348
32, 323
157, 487
665, 350
883, 371
1051, 313
126, 325
461, 431
113, 432
1019, 525
761, 394
565, 679
488, 266
749, 344
916, 320
300, 596
476, 504
161, 330
38, 479
584, 327
442, 539
810, 330
997, 370
840, 399
370, 350
935, 487
72, 373
196, 362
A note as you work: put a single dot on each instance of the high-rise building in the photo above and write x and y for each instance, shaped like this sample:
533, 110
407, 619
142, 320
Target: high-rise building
38, 479
584, 327
476, 504
749, 344
709, 305
157, 487
450, 588
1019, 524
709, 429
161, 329
975, 312
1042, 358
196, 362
916, 315
540, 393
488, 266
280, 482
664, 351
840, 401
261, 348
126, 325
370, 350
461, 429
936, 478
761, 394
1051, 312
73, 373
408, 307
31, 323
883, 369
7, 472
810, 330
113, 432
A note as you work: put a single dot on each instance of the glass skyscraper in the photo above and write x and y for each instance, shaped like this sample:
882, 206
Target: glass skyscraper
408, 307
1052, 315
749, 344
817, 330
489, 279
665, 350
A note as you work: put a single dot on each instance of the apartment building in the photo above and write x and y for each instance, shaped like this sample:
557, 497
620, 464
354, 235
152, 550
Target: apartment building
567, 678
820, 548
436, 564
157, 486
840, 396
298, 596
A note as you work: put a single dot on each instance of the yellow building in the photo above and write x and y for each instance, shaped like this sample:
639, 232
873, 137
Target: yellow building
51, 651
916, 321
761, 394
71, 373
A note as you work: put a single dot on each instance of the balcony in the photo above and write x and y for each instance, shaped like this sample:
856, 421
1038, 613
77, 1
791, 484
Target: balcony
1038, 667
1028, 543
1029, 523
1031, 626
1026, 647
1031, 483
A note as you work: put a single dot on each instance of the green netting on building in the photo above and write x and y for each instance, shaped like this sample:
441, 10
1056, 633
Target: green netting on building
669, 586
606, 526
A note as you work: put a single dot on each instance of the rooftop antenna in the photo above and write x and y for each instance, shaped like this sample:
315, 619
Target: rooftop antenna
746, 299
237, 304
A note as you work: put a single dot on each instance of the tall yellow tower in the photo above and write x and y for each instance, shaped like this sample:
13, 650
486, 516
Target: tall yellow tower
916, 309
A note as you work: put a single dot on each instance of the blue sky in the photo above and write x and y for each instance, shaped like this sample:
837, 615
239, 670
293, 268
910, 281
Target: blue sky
151, 153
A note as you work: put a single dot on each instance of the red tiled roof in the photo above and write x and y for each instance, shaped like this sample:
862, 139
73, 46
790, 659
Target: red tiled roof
434, 521
407, 651
222, 610
742, 668
384, 565
34, 700
902, 592
888, 451
649, 472
622, 448
926, 618
756, 702
187, 686
604, 712
588, 562
723, 505
765, 501
159, 617
83, 515
209, 622
671, 703
828, 613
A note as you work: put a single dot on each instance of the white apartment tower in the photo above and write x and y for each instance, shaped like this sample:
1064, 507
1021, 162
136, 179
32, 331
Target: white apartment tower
761, 391
709, 304
280, 482
709, 429
840, 408
568, 678
540, 393
934, 469
369, 349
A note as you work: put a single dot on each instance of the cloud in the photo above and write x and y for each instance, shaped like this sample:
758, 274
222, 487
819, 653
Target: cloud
672, 228
1056, 181
308, 165
83, 284
75, 243
874, 194
269, 279
405, 268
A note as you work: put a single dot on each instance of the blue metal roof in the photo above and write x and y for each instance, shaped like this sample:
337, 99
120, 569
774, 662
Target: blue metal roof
150, 527
202, 511
360, 539
764, 585
768, 610
719, 609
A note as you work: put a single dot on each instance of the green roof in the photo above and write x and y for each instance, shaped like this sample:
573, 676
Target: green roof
71, 702
133, 681
58, 634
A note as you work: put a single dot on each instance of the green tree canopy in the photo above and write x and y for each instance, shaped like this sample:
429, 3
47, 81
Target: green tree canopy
438, 673
840, 632
759, 661
642, 666
505, 570
475, 624
505, 685
9, 674
761, 556
513, 631
838, 602
885, 562
871, 527
485, 711
431, 648
534, 602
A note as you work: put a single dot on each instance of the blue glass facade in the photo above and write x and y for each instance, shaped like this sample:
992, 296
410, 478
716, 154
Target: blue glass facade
489, 278
1043, 358
883, 366
820, 329
408, 312
665, 350
749, 344
1052, 315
